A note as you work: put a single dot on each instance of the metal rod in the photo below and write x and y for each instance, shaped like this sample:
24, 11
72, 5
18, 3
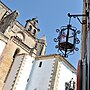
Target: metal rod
78, 15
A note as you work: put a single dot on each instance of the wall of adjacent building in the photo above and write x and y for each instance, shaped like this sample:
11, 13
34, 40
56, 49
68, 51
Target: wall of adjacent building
48, 73
19, 73
6, 60
40, 75
66, 74
51, 75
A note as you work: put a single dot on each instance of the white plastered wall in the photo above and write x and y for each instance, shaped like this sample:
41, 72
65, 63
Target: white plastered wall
66, 74
2, 46
40, 76
20, 71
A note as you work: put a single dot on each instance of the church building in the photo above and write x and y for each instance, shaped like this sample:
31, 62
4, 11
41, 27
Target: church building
23, 63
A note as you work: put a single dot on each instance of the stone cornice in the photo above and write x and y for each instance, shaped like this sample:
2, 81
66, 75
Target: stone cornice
19, 42
4, 6
3, 37
60, 59
29, 34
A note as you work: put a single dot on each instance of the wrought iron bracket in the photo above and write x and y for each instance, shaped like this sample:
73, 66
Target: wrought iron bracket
77, 16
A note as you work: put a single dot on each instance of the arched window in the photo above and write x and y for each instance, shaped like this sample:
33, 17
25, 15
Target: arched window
34, 32
30, 27
34, 23
16, 52
21, 35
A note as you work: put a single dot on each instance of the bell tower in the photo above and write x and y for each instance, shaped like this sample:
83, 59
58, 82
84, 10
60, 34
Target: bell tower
31, 27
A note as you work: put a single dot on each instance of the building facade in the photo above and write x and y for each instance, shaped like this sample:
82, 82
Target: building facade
19, 74
17, 39
52, 72
23, 63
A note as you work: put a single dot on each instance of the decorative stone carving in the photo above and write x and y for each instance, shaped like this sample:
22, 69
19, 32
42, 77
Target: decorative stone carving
9, 20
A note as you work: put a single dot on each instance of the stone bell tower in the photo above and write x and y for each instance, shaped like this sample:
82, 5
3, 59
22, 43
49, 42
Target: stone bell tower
31, 27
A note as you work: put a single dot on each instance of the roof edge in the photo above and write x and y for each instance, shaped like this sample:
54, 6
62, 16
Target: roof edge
56, 56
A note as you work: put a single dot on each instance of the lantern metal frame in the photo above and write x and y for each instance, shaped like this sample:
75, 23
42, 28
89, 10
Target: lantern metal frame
65, 47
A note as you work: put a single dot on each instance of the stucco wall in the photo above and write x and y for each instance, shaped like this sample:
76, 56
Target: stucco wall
52, 75
40, 76
19, 74
66, 74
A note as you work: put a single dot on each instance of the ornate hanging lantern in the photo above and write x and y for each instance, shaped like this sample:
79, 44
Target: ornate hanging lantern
67, 40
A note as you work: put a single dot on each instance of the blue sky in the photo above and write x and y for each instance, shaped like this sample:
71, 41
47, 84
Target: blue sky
52, 14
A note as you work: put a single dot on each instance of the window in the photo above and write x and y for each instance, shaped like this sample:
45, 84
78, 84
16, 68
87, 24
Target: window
34, 32
20, 35
40, 64
30, 27
16, 52
34, 22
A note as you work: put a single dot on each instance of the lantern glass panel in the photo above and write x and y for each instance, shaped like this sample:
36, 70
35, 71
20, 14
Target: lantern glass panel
71, 40
71, 36
71, 33
63, 36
